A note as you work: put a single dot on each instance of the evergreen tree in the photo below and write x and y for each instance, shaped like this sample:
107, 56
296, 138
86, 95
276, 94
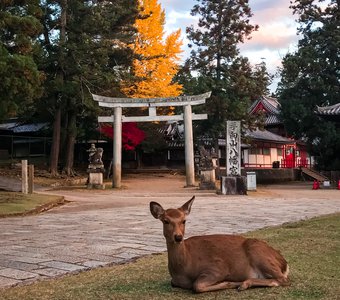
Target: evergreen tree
157, 56
20, 79
310, 77
85, 42
220, 67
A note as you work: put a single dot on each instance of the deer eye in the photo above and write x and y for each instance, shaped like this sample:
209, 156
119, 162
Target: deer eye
183, 221
166, 222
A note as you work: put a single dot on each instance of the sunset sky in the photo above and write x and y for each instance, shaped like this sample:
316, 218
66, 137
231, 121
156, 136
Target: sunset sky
274, 39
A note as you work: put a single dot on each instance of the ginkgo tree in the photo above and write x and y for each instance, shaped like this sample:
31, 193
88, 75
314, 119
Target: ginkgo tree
156, 56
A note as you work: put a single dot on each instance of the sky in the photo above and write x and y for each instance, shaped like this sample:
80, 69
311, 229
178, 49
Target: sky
277, 34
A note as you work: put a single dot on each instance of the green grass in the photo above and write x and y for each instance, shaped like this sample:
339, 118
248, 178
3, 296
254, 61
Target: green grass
311, 247
13, 203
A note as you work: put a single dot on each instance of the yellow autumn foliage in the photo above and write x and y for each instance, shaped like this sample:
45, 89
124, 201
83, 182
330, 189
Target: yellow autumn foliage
157, 57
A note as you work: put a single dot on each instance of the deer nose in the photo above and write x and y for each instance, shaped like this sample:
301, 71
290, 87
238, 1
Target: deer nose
178, 238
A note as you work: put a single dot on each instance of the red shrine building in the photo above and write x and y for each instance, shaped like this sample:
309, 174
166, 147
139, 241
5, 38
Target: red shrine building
271, 147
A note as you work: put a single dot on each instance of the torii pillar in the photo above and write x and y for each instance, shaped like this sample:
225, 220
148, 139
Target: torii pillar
117, 148
152, 103
189, 147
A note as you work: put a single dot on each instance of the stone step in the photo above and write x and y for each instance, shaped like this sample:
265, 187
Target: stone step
314, 174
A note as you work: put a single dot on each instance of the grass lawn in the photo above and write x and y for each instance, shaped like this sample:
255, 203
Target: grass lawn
311, 247
13, 203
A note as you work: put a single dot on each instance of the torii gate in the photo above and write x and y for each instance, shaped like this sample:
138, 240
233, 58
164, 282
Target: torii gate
152, 103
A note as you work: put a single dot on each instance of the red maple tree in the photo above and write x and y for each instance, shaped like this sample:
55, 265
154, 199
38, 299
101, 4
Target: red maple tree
132, 136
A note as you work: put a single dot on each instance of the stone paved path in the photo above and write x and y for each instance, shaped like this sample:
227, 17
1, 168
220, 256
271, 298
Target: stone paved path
100, 228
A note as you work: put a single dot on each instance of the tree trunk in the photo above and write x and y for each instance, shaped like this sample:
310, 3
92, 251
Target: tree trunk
54, 159
63, 140
71, 139
219, 47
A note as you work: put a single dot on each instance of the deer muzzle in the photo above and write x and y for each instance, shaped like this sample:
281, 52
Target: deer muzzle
178, 238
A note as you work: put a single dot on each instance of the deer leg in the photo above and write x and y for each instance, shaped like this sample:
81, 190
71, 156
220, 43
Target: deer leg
207, 284
254, 282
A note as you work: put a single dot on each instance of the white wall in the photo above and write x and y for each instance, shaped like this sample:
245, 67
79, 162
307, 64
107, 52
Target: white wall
260, 160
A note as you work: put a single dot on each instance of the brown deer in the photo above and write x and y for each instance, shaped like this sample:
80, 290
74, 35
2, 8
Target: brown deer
215, 262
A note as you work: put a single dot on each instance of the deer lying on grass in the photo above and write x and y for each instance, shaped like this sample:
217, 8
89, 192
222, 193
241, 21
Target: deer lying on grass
215, 262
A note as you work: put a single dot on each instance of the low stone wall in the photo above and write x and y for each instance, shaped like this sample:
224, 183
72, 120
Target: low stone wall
265, 176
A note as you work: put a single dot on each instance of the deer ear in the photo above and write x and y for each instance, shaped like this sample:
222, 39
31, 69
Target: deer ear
156, 209
186, 207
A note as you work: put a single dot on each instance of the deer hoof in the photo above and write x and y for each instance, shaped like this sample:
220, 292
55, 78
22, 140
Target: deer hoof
245, 285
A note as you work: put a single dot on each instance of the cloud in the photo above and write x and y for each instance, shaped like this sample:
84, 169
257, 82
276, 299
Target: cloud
260, 5
178, 5
274, 39
277, 28
176, 20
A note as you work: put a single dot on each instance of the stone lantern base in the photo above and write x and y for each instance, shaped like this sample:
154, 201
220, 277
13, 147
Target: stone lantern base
95, 180
208, 180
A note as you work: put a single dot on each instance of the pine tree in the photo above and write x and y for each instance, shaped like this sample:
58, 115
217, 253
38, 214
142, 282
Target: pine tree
85, 44
21, 80
216, 58
310, 77
157, 57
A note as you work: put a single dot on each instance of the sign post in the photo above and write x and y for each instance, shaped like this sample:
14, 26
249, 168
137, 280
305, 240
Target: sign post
233, 151
233, 183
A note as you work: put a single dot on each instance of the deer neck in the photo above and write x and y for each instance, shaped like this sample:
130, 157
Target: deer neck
177, 256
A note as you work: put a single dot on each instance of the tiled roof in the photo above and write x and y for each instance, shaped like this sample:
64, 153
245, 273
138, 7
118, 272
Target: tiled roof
173, 130
175, 144
28, 127
17, 127
8, 125
271, 107
265, 135
270, 104
328, 110
272, 119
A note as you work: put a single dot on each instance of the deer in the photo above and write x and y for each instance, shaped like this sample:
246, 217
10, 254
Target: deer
214, 262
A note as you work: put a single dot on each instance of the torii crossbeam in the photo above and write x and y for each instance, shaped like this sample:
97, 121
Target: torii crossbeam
152, 103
